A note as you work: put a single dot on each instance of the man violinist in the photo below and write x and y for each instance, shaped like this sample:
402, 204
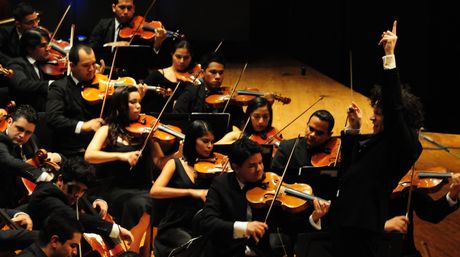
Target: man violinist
73, 119
17, 144
193, 98
105, 33
59, 237
25, 17
227, 219
29, 85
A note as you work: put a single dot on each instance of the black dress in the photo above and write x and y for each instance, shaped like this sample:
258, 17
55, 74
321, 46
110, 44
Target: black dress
176, 226
126, 190
154, 102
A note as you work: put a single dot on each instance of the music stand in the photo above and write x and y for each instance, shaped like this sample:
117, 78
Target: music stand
323, 180
267, 152
219, 122
127, 61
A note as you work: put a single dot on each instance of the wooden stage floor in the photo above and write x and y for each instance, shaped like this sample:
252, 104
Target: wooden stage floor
284, 76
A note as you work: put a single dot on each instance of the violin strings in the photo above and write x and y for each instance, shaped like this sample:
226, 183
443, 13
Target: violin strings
278, 187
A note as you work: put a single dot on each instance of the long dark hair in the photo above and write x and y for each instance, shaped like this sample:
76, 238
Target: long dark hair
252, 106
118, 115
197, 129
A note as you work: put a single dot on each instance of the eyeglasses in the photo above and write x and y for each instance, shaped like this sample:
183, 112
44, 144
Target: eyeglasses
32, 22
74, 188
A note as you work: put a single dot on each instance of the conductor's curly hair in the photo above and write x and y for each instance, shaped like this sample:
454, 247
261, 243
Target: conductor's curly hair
412, 107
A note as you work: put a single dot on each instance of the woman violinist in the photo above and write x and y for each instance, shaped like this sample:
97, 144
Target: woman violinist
259, 129
178, 182
125, 173
168, 77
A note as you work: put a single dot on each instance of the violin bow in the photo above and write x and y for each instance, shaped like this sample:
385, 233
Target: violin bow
142, 21
409, 198
72, 32
298, 116
278, 187
157, 121
77, 212
234, 87
59, 24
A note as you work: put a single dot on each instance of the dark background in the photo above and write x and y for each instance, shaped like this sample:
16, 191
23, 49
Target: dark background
321, 34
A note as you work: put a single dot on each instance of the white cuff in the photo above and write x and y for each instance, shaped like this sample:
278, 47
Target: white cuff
239, 229
450, 200
389, 62
78, 127
43, 177
115, 231
316, 225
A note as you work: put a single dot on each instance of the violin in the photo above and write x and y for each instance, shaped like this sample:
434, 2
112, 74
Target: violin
146, 30
40, 160
56, 65
210, 167
430, 182
293, 198
9, 73
329, 156
4, 115
271, 137
191, 75
164, 133
95, 93
242, 98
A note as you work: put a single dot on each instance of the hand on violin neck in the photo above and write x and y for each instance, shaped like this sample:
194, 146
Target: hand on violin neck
23, 219
160, 36
102, 206
321, 208
92, 125
354, 116
270, 97
397, 223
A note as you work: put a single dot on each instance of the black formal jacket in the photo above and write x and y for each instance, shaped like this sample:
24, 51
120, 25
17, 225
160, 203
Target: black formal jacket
9, 44
225, 204
65, 107
193, 100
102, 33
12, 239
48, 199
372, 167
33, 251
25, 87
12, 168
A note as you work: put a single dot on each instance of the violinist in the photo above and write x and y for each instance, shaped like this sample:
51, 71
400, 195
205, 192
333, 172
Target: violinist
12, 239
371, 167
179, 184
425, 207
227, 219
17, 144
73, 120
59, 237
193, 98
260, 128
317, 134
169, 77
106, 32
25, 17
114, 151
62, 197
29, 85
